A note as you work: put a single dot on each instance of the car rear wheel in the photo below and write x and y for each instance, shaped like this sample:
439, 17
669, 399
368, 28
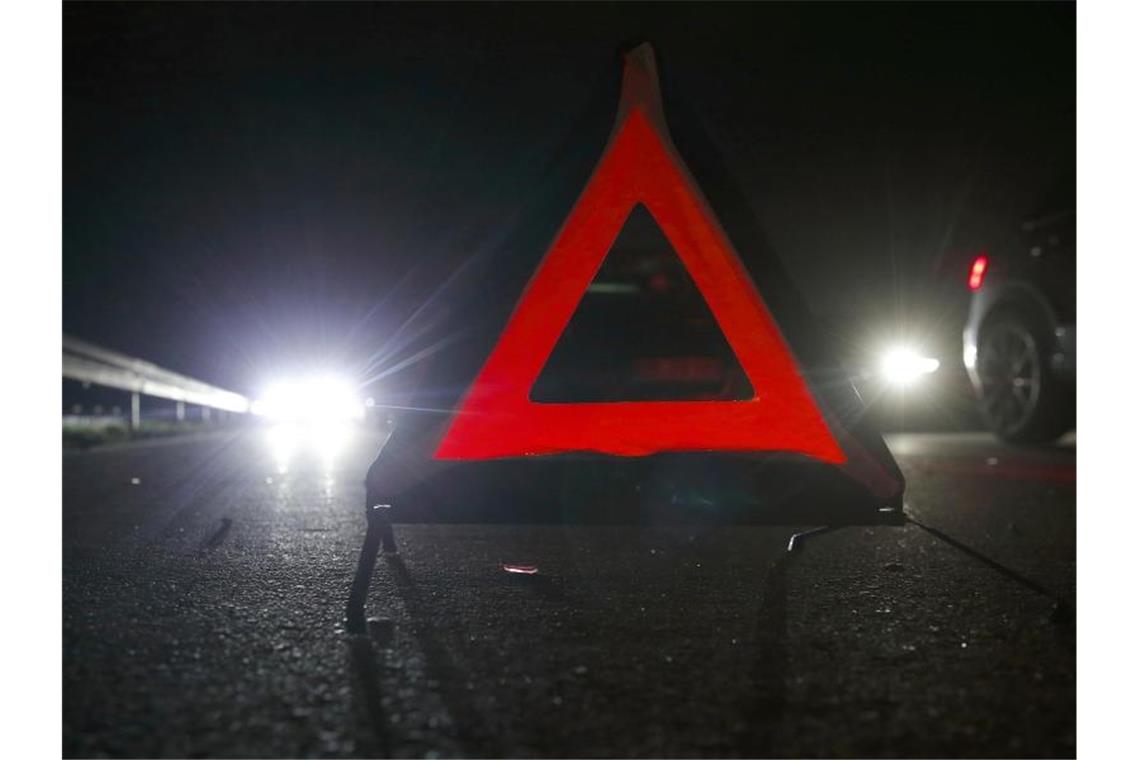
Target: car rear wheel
1019, 398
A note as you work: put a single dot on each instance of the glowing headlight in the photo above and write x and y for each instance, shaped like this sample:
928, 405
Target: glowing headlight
316, 400
902, 366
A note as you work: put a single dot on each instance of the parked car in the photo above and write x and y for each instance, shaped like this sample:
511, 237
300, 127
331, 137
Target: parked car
1020, 339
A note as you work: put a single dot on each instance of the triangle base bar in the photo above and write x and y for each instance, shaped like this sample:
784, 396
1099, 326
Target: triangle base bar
583, 488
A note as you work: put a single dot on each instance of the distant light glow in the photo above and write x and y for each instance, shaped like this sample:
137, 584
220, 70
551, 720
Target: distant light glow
318, 400
329, 440
284, 439
320, 442
313, 416
903, 366
978, 271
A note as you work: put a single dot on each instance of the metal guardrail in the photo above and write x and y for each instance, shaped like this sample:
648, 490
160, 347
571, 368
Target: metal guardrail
88, 363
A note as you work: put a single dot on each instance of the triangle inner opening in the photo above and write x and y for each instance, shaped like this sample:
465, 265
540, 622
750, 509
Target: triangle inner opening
642, 332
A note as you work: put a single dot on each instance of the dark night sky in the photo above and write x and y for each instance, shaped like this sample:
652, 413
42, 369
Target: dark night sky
252, 188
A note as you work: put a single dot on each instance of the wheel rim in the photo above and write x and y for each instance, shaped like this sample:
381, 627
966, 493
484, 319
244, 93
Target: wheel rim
1010, 371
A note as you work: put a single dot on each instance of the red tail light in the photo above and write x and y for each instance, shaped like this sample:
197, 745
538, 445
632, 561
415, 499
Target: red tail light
978, 271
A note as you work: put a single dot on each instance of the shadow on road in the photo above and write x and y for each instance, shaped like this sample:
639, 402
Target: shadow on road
441, 666
765, 711
367, 691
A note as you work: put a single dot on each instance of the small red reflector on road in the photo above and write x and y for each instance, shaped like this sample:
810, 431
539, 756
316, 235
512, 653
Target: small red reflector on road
978, 271
521, 569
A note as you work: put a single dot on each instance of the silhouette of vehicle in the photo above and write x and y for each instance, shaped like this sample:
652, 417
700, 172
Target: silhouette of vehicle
1020, 339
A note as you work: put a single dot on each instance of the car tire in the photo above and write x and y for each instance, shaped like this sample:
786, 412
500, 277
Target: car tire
1019, 398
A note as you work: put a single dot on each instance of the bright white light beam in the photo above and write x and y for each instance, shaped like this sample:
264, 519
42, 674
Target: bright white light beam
903, 366
322, 399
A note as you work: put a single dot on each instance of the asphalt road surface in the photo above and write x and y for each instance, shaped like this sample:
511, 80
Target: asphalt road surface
204, 594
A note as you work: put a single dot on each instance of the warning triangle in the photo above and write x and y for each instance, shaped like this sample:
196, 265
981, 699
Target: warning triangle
642, 331
789, 443
497, 418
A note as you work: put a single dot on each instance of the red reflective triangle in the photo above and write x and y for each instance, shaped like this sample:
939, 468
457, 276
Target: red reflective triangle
497, 419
